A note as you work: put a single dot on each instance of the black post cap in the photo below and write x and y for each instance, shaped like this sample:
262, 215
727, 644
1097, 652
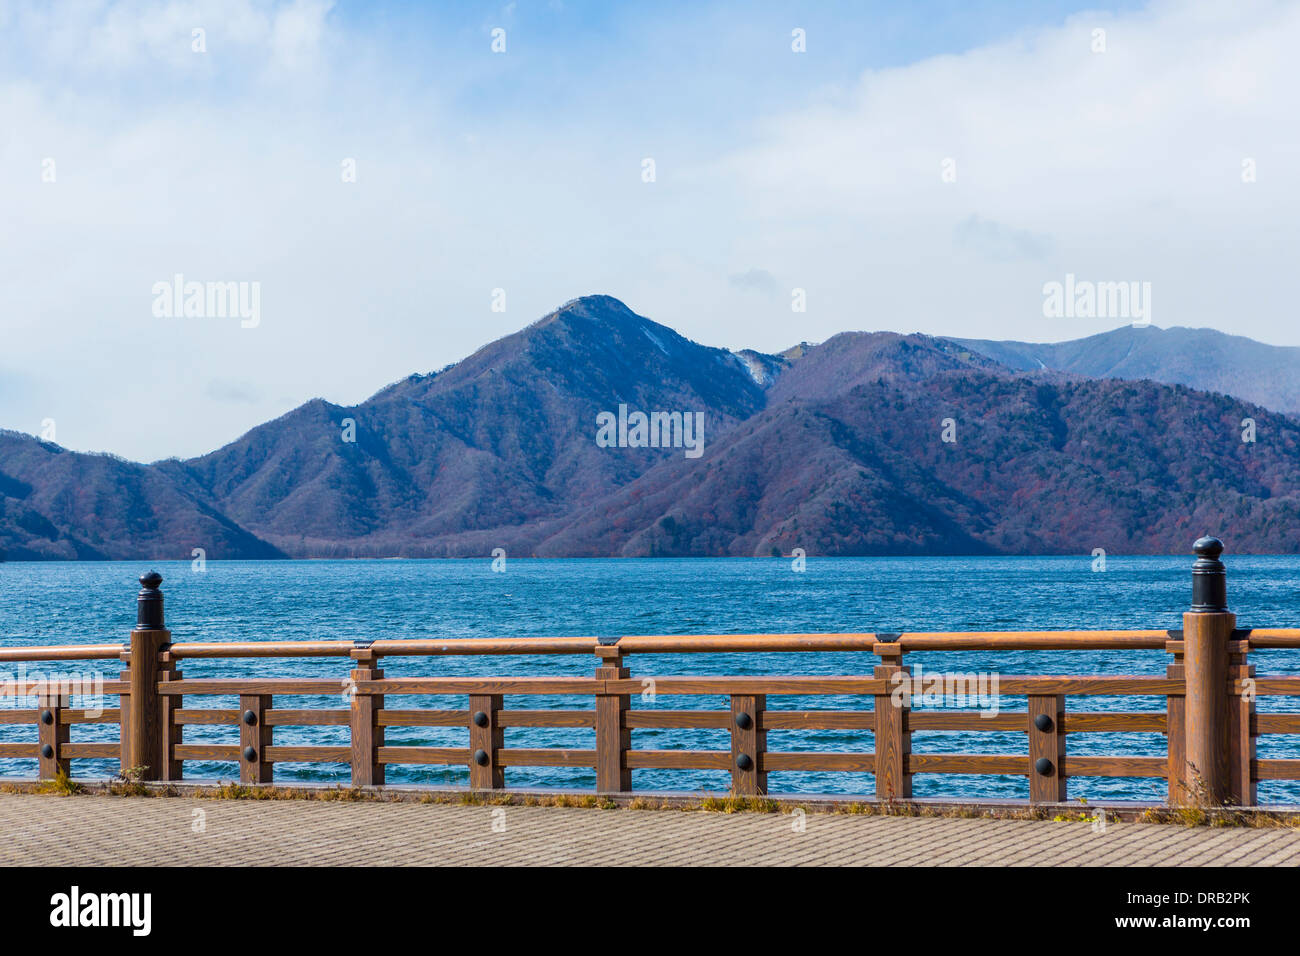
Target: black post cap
149, 603
1209, 577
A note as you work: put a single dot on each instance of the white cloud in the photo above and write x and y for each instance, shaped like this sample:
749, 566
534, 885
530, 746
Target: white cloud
226, 166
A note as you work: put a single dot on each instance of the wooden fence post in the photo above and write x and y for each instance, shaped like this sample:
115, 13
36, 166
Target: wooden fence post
1046, 748
893, 728
52, 734
367, 734
613, 737
1207, 629
143, 727
486, 738
254, 738
748, 745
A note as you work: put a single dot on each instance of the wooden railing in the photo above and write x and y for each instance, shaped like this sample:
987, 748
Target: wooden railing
1209, 719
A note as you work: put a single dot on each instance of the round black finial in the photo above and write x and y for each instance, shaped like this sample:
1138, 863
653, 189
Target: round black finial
1043, 766
1043, 723
744, 721
1209, 577
481, 758
744, 762
149, 603
480, 719
47, 751
250, 718
250, 754
1208, 547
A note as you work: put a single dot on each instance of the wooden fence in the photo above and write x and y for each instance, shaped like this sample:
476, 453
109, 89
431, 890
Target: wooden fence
1209, 719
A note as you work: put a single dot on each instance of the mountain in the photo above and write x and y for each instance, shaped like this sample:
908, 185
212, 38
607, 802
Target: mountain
451, 463
1198, 358
836, 448
56, 503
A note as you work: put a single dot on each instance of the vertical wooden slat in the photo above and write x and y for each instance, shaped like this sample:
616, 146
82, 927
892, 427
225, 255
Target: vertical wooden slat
172, 732
613, 738
1176, 729
52, 734
367, 735
255, 734
1046, 743
486, 737
1241, 738
124, 714
748, 745
893, 730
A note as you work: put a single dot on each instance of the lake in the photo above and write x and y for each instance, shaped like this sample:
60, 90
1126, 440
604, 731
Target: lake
58, 602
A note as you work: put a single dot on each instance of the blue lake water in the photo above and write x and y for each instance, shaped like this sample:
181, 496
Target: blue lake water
49, 603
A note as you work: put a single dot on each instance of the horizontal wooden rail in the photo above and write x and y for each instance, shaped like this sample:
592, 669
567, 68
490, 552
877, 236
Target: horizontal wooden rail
63, 652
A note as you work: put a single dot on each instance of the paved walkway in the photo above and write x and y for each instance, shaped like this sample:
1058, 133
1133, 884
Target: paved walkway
141, 831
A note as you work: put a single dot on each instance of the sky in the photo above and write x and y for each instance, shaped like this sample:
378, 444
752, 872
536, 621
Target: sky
397, 193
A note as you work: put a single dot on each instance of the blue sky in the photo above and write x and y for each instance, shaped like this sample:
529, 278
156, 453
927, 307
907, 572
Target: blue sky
523, 171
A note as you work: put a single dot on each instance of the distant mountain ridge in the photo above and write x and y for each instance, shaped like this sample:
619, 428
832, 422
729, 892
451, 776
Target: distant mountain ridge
836, 448
1206, 359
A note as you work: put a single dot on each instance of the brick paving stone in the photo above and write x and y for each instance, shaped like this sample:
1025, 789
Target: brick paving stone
142, 831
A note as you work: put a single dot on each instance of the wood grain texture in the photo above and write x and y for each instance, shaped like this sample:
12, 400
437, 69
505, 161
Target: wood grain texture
748, 742
53, 735
256, 735
1275, 769
173, 733
1241, 741
1046, 744
547, 757
680, 759
489, 738
893, 734
367, 733
1015, 765
424, 755
613, 735
1276, 723
144, 740
777, 760
1079, 766
1177, 792
281, 754
207, 752
1205, 663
